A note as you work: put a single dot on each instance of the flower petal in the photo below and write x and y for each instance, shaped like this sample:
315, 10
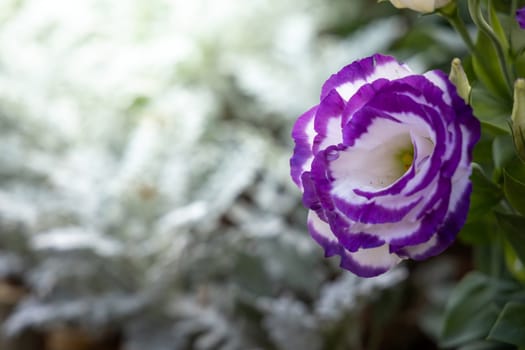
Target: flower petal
349, 79
364, 262
303, 134
369, 262
455, 219
327, 122
321, 233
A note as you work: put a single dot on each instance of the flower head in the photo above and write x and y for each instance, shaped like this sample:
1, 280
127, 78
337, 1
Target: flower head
384, 162
520, 17
420, 5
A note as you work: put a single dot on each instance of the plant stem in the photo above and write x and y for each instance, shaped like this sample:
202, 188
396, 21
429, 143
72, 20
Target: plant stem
481, 23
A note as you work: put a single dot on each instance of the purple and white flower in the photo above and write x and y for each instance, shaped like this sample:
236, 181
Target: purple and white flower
520, 17
384, 162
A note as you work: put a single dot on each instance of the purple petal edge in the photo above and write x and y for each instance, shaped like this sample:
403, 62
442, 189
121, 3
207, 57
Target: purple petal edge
448, 231
303, 149
332, 248
357, 70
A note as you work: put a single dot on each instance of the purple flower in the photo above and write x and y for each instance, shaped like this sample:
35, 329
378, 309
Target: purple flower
384, 162
520, 17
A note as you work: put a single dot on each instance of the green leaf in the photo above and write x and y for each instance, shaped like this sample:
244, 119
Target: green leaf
510, 325
485, 195
512, 228
470, 312
479, 232
486, 66
483, 153
514, 264
514, 191
503, 150
497, 27
492, 111
516, 168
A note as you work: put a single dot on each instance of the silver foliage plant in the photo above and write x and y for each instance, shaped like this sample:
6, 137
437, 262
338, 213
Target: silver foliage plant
144, 170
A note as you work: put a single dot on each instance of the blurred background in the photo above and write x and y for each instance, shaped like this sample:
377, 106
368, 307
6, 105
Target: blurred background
145, 198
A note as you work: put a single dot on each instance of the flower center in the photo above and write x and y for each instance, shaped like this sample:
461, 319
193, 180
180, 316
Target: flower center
406, 158
373, 165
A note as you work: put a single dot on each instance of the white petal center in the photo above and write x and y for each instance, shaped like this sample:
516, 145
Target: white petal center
376, 167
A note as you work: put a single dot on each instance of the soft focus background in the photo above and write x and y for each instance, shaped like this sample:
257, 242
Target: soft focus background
145, 201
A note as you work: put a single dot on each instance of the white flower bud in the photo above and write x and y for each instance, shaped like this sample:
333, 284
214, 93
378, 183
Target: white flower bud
518, 118
420, 5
